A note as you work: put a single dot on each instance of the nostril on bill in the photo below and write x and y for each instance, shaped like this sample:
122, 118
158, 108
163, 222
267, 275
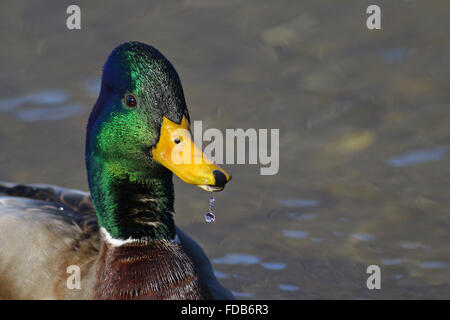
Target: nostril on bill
220, 178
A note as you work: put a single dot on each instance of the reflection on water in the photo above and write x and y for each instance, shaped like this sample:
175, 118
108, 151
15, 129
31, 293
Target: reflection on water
364, 132
298, 203
433, 265
393, 55
273, 265
236, 258
288, 287
391, 261
244, 295
413, 245
302, 216
363, 236
34, 106
337, 233
295, 234
92, 86
38, 97
419, 156
55, 113
220, 275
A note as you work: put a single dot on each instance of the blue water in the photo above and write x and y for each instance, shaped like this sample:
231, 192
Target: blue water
302, 216
288, 287
220, 275
49, 96
433, 265
92, 86
297, 234
47, 104
363, 236
412, 245
298, 203
393, 55
416, 157
390, 262
52, 113
273, 265
237, 258
242, 294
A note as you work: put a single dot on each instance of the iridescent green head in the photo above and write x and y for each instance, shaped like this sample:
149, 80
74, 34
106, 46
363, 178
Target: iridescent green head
130, 135
139, 87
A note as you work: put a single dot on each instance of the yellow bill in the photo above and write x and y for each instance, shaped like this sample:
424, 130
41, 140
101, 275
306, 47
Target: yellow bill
177, 152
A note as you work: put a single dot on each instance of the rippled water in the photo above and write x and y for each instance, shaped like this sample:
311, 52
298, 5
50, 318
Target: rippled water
364, 123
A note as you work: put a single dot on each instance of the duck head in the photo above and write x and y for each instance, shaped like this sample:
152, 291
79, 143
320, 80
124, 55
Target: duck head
138, 133
141, 124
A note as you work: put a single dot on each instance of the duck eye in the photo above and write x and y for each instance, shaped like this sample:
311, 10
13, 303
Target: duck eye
177, 140
130, 101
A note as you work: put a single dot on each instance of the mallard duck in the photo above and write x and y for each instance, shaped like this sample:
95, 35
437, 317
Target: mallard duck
122, 236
